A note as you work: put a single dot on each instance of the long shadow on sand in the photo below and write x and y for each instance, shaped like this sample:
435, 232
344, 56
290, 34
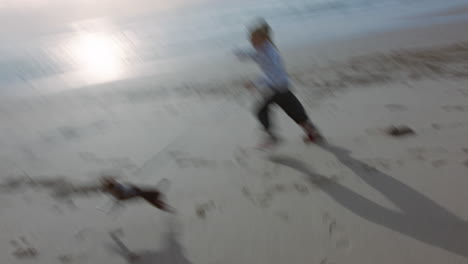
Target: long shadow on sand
421, 218
171, 253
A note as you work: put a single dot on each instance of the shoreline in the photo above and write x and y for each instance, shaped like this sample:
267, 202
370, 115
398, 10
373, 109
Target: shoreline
206, 64
217, 71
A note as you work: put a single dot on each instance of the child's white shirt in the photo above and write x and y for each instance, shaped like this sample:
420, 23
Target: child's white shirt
274, 79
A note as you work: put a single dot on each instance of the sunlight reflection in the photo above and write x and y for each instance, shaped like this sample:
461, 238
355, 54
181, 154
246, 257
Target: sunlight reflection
97, 55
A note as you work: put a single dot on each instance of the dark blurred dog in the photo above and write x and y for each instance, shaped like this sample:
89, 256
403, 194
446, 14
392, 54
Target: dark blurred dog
124, 191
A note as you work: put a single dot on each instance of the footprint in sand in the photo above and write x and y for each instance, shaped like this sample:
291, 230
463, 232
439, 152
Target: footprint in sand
271, 192
123, 163
438, 163
204, 208
69, 132
172, 109
326, 261
463, 91
185, 160
82, 234
100, 125
396, 107
453, 108
30, 155
443, 126
283, 216
336, 232
301, 188
241, 155
65, 259
265, 199
23, 249
70, 258
246, 192
420, 150
89, 157
116, 162
421, 153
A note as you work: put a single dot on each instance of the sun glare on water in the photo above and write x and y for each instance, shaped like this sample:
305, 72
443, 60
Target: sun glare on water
97, 56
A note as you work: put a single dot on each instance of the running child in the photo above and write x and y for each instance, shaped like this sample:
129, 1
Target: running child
274, 86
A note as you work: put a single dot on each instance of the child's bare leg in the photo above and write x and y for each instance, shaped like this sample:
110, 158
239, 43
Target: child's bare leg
263, 116
295, 110
310, 128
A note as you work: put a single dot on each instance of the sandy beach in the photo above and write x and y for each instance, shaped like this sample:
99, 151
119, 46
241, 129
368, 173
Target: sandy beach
363, 197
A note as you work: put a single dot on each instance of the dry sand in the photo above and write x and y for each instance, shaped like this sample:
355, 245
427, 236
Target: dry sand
365, 197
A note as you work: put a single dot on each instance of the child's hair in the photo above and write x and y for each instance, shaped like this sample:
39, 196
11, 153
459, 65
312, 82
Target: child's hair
262, 27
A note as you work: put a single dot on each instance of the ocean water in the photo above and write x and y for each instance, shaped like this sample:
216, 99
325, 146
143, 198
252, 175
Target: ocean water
108, 46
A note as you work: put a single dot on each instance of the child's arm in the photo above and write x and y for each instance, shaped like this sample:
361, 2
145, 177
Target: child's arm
245, 54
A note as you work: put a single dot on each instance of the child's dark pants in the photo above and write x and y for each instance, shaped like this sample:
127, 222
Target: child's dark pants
290, 105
